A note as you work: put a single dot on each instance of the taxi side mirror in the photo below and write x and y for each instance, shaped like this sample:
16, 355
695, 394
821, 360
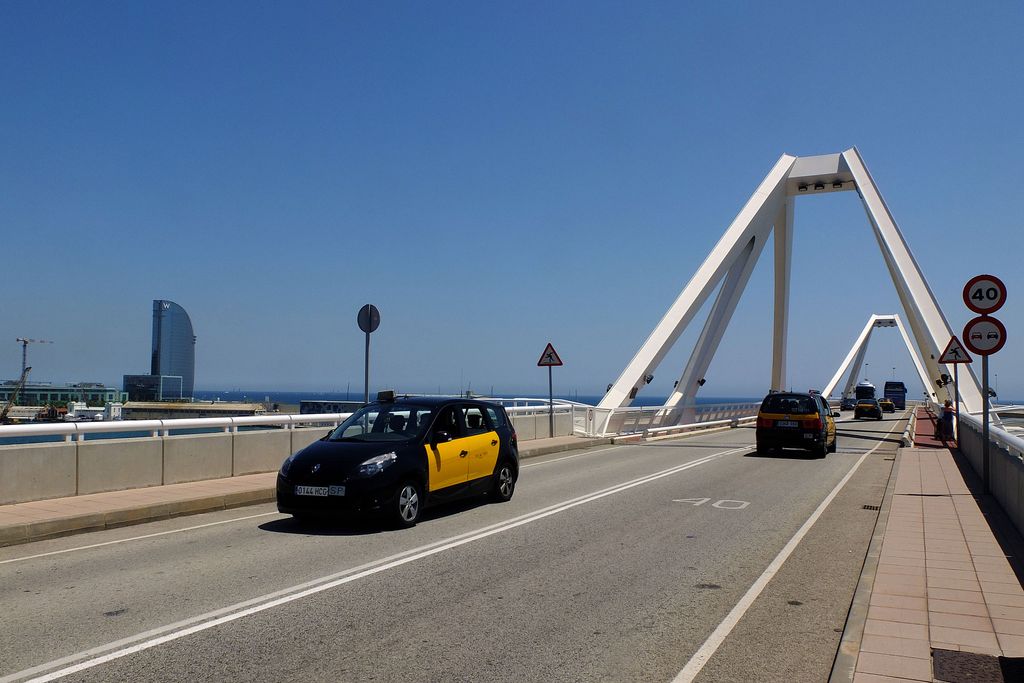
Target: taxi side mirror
835, 413
441, 437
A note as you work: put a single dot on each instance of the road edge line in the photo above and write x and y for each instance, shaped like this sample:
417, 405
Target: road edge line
707, 650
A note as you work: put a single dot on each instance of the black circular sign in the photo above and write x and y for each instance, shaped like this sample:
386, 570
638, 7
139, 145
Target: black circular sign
368, 318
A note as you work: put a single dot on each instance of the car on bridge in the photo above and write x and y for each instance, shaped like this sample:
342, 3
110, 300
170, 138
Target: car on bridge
886, 405
796, 420
867, 407
848, 403
397, 456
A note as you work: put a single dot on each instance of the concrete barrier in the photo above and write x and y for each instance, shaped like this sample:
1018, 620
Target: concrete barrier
37, 471
262, 451
116, 464
303, 437
197, 456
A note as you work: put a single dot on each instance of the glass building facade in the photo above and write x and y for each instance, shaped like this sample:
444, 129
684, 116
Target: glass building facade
174, 345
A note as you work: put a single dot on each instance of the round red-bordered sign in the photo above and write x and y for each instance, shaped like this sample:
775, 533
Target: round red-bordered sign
984, 294
984, 335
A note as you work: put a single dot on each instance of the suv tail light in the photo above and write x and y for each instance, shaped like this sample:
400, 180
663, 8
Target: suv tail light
763, 422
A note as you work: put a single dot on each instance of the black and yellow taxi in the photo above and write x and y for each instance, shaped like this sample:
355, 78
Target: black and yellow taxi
396, 456
796, 420
886, 405
867, 407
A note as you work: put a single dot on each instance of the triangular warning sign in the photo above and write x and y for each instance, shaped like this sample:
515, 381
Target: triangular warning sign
955, 353
549, 357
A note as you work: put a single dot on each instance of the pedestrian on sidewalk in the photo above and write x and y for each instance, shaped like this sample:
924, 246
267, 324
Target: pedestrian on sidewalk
947, 421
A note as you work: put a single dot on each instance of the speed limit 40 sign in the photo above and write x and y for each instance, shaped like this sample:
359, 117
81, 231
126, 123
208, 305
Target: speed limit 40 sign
985, 294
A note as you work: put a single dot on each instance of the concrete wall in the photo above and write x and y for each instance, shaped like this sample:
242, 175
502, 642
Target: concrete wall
197, 456
1006, 472
56, 470
260, 451
37, 471
115, 464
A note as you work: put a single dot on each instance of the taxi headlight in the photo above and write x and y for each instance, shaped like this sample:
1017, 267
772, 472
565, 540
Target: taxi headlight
287, 465
376, 464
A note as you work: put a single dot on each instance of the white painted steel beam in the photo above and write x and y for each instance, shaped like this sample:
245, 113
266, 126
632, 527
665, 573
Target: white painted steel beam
762, 205
930, 329
771, 208
859, 349
783, 270
735, 282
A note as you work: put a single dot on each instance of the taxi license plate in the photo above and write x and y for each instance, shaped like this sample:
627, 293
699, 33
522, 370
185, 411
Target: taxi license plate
785, 423
311, 491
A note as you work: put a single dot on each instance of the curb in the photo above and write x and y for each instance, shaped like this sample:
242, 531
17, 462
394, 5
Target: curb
845, 663
97, 521
126, 516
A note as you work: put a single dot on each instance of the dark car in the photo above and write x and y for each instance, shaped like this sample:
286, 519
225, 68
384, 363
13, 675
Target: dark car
848, 403
794, 420
398, 456
868, 407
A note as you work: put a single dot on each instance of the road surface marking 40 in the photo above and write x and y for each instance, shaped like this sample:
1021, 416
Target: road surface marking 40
720, 504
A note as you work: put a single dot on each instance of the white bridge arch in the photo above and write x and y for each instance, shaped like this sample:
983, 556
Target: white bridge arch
769, 211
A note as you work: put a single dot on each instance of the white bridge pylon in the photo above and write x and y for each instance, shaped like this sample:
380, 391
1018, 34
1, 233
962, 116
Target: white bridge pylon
769, 211
860, 348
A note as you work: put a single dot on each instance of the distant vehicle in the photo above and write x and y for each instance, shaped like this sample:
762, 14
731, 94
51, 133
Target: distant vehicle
897, 393
848, 403
792, 420
864, 390
867, 407
399, 455
886, 405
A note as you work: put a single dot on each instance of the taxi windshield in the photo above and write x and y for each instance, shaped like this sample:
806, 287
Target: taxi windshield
790, 404
384, 422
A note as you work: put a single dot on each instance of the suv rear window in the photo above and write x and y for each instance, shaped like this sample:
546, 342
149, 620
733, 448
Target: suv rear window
790, 404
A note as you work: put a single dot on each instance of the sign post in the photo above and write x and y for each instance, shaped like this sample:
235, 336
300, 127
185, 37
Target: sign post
550, 359
954, 355
984, 335
369, 320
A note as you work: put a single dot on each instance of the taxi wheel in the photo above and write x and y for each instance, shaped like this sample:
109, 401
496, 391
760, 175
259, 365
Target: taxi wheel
504, 482
835, 446
407, 504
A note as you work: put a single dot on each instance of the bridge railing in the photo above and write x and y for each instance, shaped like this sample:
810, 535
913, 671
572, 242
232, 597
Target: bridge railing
619, 421
1006, 462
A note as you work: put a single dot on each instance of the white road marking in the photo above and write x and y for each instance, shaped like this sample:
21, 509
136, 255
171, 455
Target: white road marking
570, 457
166, 634
718, 636
137, 538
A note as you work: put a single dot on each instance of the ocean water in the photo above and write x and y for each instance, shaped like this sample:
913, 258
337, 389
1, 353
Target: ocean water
293, 397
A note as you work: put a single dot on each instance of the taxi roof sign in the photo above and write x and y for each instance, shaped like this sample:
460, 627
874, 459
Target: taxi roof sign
549, 357
955, 353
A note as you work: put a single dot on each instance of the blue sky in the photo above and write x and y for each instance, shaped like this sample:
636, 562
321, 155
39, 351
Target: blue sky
492, 177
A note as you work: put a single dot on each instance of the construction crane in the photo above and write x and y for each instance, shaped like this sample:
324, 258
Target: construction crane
14, 396
24, 348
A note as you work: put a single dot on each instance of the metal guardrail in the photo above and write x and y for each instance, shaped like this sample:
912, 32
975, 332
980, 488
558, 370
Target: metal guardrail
156, 428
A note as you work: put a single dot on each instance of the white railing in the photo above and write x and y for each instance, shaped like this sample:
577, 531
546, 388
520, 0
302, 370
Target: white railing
156, 428
619, 421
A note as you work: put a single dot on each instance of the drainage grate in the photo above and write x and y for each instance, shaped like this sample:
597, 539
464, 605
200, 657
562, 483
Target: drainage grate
871, 507
950, 665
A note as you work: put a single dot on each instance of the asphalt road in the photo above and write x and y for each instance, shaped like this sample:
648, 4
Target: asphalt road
614, 564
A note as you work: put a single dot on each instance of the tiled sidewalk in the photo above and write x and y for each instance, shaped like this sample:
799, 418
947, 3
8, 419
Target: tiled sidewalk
942, 580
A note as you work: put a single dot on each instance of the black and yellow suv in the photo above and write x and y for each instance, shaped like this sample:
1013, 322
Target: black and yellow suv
796, 420
396, 456
886, 405
867, 407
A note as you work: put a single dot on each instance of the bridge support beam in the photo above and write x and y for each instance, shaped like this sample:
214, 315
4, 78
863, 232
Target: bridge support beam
772, 204
783, 268
685, 391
